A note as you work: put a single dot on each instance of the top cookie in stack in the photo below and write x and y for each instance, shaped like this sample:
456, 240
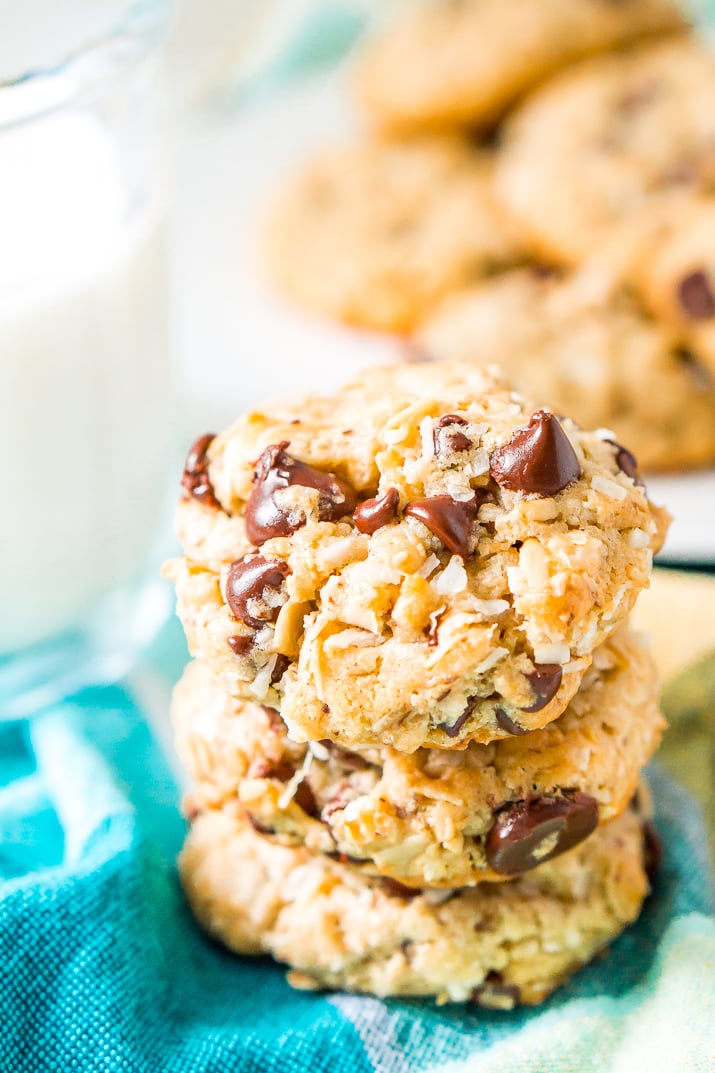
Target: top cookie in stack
425, 559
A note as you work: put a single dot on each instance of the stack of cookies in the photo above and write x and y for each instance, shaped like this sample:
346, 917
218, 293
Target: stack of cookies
417, 719
527, 168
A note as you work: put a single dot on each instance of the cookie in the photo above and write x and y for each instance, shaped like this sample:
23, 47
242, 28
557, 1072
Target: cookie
464, 63
677, 281
496, 945
376, 233
613, 137
435, 817
423, 559
603, 360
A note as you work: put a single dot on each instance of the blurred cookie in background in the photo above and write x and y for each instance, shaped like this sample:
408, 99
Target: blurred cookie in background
463, 63
594, 353
375, 234
677, 279
610, 138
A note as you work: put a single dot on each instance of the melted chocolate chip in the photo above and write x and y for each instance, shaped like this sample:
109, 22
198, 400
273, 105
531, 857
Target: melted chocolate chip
545, 682
277, 470
399, 890
240, 644
495, 994
248, 583
374, 513
281, 666
451, 520
453, 730
652, 851
627, 463
504, 721
195, 479
696, 297
538, 459
527, 833
448, 438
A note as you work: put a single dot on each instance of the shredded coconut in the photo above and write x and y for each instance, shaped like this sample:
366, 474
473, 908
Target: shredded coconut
607, 487
356, 638
453, 578
428, 566
262, 682
552, 653
426, 435
638, 538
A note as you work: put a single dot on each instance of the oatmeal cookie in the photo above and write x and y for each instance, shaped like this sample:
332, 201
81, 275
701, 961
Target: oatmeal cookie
612, 137
436, 817
451, 64
374, 234
676, 278
602, 359
419, 560
497, 945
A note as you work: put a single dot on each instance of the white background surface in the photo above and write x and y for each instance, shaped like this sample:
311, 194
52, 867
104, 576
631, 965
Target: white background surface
238, 343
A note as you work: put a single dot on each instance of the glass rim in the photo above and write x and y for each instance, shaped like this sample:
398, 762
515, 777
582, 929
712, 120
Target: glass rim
136, 33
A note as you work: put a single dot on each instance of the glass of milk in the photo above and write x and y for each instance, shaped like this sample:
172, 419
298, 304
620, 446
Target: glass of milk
85, 378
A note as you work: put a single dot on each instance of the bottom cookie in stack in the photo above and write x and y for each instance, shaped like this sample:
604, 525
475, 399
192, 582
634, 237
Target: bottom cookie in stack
496, 944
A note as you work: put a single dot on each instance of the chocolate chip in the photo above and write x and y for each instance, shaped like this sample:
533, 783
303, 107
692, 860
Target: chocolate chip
493, 993
627, 463
453, 730
447, 437
399, 890
281, 666
537, 459
195, 479
701, 377
545, 682
696, 296
282, 770
277, 470
652, 851
240, 644
508, 724
451, 520
527, 833
248, 584
374, 513
305, 799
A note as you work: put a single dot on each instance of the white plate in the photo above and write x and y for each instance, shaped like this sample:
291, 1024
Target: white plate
239, 344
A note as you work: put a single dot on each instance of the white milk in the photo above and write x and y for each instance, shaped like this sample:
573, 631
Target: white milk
84, 378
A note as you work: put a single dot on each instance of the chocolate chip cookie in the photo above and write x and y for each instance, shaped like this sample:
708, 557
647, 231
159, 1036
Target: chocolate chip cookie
435, 817
602, 358
612, 137
463, 63
677, 281
423, 559
496, 945
374, 234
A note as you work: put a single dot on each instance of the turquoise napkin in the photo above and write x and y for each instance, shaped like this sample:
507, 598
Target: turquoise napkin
102, 968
